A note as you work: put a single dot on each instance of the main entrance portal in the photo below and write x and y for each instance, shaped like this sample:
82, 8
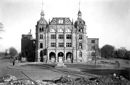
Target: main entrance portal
60, 57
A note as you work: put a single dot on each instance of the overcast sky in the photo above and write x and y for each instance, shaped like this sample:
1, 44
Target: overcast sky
108, 20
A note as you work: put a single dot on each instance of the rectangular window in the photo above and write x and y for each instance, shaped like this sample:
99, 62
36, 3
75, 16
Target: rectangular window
80, 45
53, 36
41, 36
80, 54
53, 44
93, 48
41, 45
68, 37
92, 41
80, 36
61, 36
68, 44
61, 45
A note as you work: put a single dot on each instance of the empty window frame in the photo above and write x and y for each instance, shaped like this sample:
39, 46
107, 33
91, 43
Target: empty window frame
61, 36
53, 44
61, 45
68, 44
41, 45
53, 36
68, 36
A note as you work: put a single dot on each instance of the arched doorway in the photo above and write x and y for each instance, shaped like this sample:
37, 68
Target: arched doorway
60, 57
52, 56
41, 56
69, 57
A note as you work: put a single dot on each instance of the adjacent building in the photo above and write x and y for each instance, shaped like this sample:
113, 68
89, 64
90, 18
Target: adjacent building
28, 47
93, 48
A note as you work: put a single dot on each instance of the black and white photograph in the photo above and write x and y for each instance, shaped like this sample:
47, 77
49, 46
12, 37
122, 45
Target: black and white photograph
64, 42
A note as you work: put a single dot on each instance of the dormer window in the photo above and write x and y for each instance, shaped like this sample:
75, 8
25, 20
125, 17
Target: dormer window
60, 21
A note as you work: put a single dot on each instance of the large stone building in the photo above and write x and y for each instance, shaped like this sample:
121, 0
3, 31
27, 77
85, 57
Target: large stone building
61, 39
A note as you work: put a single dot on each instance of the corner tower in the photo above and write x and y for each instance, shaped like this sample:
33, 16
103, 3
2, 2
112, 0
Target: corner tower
41, 29
81, 39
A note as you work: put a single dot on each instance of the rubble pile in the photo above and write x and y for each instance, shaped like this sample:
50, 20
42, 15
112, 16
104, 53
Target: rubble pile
66, 80
104, 80
6, 79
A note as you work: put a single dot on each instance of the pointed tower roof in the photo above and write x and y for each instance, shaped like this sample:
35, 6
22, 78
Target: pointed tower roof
42, 12
79, 12
42, 19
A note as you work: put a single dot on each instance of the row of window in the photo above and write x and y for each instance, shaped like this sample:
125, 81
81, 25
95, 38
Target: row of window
52, 30
59, 30
61, 36
53, 36
62, 45
67, 45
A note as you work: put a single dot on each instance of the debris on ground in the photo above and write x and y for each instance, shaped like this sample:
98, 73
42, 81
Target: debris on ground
66, 80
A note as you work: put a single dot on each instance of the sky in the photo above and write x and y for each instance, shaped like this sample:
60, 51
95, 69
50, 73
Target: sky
108, 20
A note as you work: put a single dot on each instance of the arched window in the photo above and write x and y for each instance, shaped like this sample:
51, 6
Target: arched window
42, 29
41, 45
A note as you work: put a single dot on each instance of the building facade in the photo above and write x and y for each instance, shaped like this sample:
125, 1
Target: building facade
61, 40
